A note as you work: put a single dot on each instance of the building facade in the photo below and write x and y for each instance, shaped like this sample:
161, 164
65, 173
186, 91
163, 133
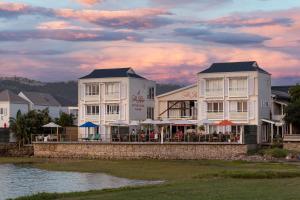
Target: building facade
238, 92
114, 96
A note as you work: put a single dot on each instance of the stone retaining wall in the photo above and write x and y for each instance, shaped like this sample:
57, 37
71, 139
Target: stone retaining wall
12, 149
292, 146
139, 150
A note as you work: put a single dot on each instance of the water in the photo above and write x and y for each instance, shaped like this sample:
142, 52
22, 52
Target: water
16, 181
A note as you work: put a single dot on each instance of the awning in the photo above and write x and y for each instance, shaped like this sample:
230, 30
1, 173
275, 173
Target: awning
147, 121
206, 121
119, 123
184, 123
276, 123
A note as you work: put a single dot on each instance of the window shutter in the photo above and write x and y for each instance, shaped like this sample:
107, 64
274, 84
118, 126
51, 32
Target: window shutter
202, 88
252, 110
123, 91
251, 86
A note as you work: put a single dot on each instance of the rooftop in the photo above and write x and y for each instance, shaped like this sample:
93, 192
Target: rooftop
112, 73
234, 67
41, 99
7, 95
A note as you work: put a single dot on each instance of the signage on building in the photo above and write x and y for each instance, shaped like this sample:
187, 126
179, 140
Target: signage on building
138, 101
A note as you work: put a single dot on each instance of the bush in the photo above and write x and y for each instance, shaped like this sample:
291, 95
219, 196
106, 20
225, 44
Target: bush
275, 152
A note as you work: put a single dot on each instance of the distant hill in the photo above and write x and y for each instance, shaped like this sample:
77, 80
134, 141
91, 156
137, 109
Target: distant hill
65, 92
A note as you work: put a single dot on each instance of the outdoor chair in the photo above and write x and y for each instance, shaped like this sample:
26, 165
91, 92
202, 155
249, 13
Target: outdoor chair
97, 137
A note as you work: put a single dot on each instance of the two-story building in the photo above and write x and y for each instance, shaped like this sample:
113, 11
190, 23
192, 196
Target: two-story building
110, 96
238, 92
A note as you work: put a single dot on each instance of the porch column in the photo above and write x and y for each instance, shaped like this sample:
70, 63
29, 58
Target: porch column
272, 133
291, 129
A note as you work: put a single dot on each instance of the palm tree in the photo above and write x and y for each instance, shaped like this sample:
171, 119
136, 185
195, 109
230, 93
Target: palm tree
19, 128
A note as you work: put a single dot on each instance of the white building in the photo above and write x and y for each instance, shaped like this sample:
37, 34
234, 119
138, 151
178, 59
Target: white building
41, 101
108, 96
10, 104
239, 92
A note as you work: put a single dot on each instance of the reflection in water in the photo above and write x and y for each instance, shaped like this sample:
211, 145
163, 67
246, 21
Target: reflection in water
18, 181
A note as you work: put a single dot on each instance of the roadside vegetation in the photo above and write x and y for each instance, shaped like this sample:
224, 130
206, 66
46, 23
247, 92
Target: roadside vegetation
184, 179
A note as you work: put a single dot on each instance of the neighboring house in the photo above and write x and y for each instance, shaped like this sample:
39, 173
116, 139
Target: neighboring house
239, 92
41, 101
10, 104
178, 104
108, 96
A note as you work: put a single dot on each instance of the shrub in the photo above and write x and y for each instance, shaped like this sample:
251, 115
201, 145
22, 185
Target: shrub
276, 152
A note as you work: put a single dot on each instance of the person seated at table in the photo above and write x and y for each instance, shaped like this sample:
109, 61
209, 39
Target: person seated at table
142, 136
151, 135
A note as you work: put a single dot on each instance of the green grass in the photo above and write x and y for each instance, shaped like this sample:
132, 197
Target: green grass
209, 180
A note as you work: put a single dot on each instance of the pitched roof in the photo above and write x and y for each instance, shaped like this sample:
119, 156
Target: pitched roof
282, 88
41, 99
234, 67
112, 73
8, 95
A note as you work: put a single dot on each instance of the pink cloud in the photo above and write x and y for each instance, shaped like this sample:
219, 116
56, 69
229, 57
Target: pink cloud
57, 25
135, 18
89, 2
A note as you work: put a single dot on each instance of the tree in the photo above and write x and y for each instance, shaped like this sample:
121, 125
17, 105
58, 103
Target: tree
18, 126
65, 119
292, 111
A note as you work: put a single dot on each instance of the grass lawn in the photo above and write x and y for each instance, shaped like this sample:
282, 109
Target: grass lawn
209, 180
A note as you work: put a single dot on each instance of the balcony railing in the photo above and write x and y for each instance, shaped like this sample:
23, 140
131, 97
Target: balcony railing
112, 96
215, 115
214, 93
238, 92
238, 115
112, 117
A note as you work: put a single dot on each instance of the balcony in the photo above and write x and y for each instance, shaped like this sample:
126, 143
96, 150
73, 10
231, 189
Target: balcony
91, 98
238, 92
214, 93
238, 116
215, 115
112, 96
112, 117
278, 117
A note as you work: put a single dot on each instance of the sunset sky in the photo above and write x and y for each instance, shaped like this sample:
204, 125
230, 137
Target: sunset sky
165, 40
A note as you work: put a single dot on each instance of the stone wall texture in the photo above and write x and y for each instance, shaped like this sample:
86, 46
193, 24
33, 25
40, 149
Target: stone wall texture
12, 149
139, 150
292, 146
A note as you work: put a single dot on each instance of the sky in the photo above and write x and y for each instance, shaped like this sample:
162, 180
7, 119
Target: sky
168, 41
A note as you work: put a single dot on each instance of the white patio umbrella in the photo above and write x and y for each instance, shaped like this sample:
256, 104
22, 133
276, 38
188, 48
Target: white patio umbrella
52, 125
119, 123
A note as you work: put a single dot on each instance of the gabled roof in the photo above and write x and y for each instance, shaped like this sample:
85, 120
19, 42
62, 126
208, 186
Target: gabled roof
11, 97
234, 67
41, 99
112, 73
177, 90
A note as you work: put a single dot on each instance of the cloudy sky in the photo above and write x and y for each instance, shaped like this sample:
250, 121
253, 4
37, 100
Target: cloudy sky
164, 40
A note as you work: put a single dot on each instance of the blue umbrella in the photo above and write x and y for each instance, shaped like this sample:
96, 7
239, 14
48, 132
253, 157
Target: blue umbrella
88, 125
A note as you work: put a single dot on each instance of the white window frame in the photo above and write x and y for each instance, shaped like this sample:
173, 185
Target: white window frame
91, 89
112, 109
151, 94
214, 85
239, 106
112, 88
92, 110
150, 113
218, 105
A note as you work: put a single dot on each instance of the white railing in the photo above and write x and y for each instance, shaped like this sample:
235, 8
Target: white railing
278, 117
214, 93
214, 115
92, 98
112, 117
237, 92
112, 96
238, 115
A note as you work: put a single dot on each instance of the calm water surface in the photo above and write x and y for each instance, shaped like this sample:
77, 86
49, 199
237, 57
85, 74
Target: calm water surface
19, 180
